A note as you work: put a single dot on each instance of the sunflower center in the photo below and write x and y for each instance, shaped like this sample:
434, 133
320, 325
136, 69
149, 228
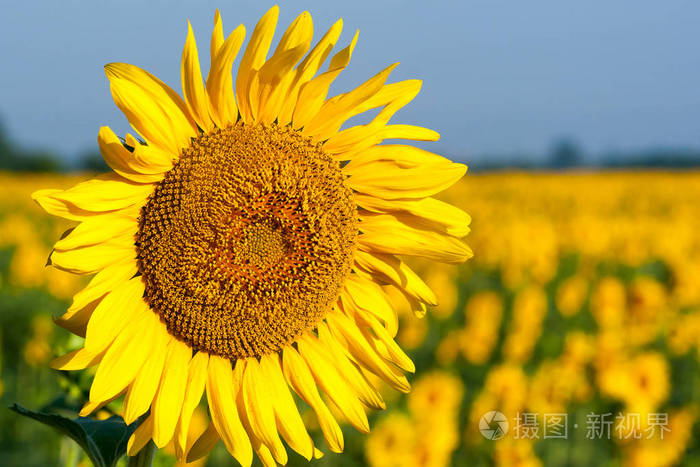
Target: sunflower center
246, 242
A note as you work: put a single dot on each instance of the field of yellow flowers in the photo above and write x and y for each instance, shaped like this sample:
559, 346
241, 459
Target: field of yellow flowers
570, 339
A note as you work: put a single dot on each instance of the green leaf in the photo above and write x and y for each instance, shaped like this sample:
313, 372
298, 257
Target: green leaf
104, 441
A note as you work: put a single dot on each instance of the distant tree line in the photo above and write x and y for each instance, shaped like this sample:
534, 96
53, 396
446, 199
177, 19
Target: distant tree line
564, 154
17, 159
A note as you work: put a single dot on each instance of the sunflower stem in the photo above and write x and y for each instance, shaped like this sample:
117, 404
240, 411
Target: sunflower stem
145, 456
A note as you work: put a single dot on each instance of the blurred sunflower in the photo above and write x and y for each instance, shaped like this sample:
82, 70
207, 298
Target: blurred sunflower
240, 245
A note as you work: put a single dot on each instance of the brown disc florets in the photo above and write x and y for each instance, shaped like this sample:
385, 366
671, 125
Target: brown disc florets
247, 241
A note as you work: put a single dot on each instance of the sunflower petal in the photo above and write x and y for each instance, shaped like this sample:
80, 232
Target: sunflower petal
429, 212
109, 192
366, 297
394, 270
92, 258
196, 381
363, 388
343, 328
307, 69
224, 415
45, 199
217, 36
334, 112
192, 85
154, 110
332, 382
97, 230
276, 74
222, 103
126, 163
299, 377
258, 404
287, 416
143, 390
171, 392
140, 437
389, 180
204, 444
385, 233
253, 59
78, 359
314, 92
104, 281
75, 319
124, 358
115, 311
397, 356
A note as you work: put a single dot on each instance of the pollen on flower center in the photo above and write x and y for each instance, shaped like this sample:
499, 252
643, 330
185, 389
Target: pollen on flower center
246, 242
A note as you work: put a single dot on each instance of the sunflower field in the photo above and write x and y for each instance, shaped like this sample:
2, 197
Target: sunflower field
570, 339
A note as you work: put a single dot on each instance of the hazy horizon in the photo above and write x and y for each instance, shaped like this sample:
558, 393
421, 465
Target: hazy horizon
499, 77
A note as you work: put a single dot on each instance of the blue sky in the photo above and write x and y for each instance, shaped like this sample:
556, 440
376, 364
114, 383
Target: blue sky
499, 76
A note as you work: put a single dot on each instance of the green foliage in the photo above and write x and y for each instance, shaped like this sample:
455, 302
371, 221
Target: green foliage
104, 441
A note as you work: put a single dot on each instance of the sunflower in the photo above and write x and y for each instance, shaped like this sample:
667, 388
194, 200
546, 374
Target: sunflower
241, 244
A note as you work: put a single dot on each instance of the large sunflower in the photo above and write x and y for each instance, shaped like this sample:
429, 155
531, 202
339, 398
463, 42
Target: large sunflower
244, 243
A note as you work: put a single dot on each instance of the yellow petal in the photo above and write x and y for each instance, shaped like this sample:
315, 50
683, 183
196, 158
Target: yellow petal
394, 353
121, 306
346, 143
97, 230
109, 192
55, 207
258, 405
217, 36
154, 110
432, 213
404, 156
140, 437
75, 319
276, 75
384, 233
347, 333
101, 284
299, 377
152, 156
142, 391
364, 389
307, 69
171, 392
204, 444
124, 358
76, 360
394, 270
289, 421
92, 258
126, 163
389, 180
334, 112
403, 91
332, 382
367, 297
222, 102
224, 415
253, 59
314, 92
192, 85
196, 380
